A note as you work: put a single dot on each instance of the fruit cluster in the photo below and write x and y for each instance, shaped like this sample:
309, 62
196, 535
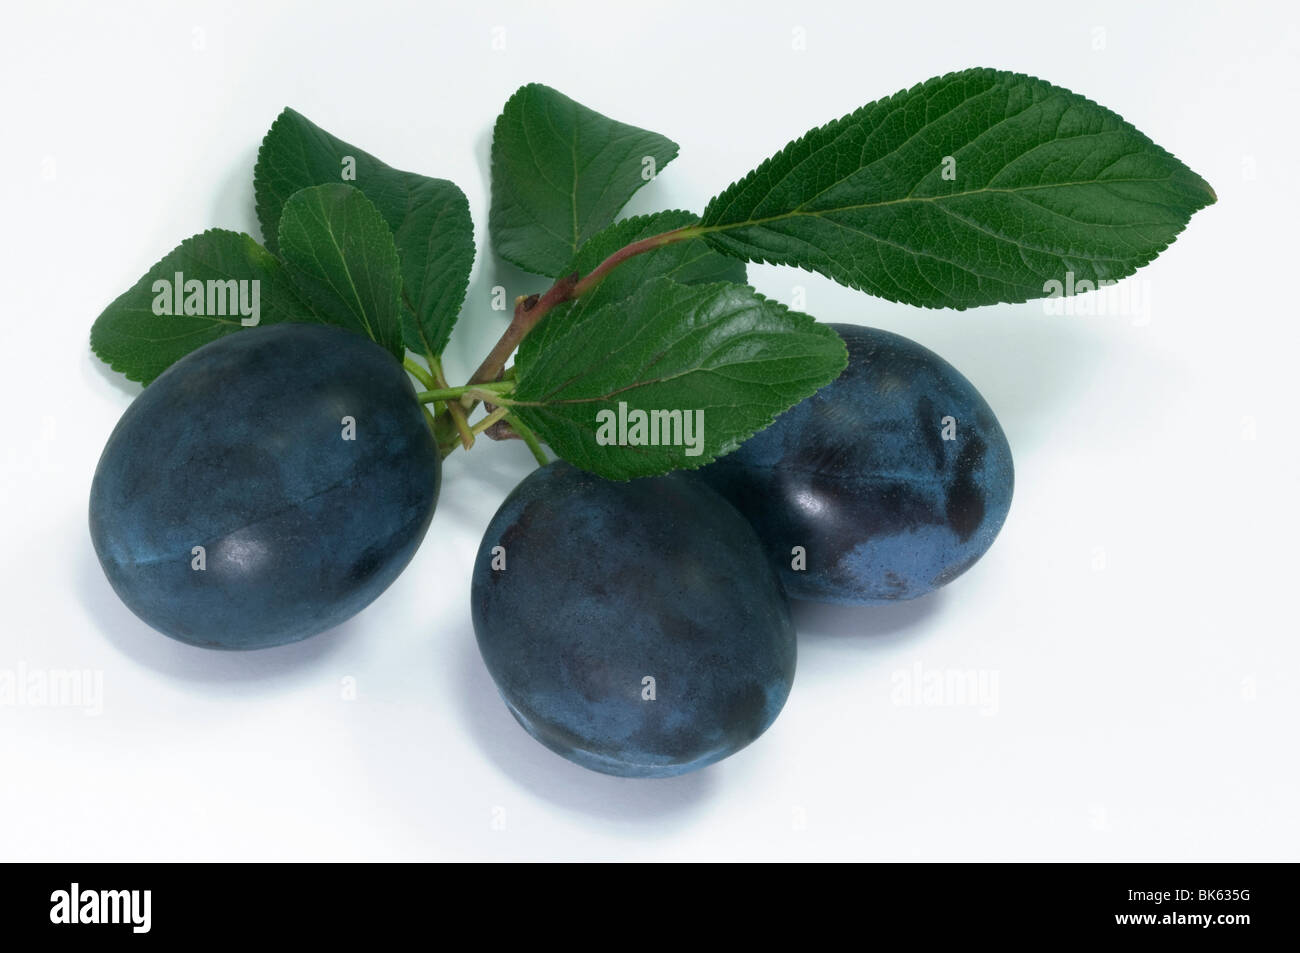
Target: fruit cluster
642, 628
273, 483
719, 453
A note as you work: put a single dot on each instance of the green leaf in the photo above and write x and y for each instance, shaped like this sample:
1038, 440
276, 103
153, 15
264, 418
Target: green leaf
429, 217
341, 256
688, 262
138, 341
720, 354
560, 173
436, 245
969, 189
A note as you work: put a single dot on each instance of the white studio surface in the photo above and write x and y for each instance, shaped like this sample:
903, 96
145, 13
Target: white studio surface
1132, 634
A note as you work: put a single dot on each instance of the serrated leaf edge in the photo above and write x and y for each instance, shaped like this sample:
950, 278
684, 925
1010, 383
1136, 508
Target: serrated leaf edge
911, 90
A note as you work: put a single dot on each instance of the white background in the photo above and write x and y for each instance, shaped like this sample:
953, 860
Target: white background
1137, 612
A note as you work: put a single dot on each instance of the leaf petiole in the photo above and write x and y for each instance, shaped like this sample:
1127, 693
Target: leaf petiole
452, 408
526, 434
490, 419
489, 391
419, 373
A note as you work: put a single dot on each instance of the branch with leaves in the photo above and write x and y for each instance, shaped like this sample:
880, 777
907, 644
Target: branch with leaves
975, 188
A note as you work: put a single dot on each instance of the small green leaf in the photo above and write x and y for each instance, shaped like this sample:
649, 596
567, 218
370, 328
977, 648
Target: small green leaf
436, 244
717, 358
560, 173
341, 256
689, 262
969, 189
133, 337
429, 217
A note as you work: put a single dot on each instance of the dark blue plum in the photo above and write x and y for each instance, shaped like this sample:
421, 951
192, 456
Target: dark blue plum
895, 478
239, 448
607, 584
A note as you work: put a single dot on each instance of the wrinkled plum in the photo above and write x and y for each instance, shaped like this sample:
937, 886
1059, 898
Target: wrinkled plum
634, 628
230, 510
894, 479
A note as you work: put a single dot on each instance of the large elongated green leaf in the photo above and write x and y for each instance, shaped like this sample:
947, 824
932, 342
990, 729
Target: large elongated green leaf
429, 217
560, 173
689, 262
341, 256
969, 189
717, 358
144, 331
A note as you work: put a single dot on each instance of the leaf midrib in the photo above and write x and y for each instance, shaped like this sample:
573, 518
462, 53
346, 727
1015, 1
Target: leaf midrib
360, 309
983, 190
701, 365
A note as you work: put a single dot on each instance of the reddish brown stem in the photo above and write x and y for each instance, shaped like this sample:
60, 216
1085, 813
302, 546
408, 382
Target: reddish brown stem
530, 310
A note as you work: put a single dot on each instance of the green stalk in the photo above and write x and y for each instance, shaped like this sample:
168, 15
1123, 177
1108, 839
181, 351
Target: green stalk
491, 392
419, 373
526, 434
490, 419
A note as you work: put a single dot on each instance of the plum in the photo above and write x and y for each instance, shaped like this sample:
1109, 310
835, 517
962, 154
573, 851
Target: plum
264, 488
635, 628
884, 485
